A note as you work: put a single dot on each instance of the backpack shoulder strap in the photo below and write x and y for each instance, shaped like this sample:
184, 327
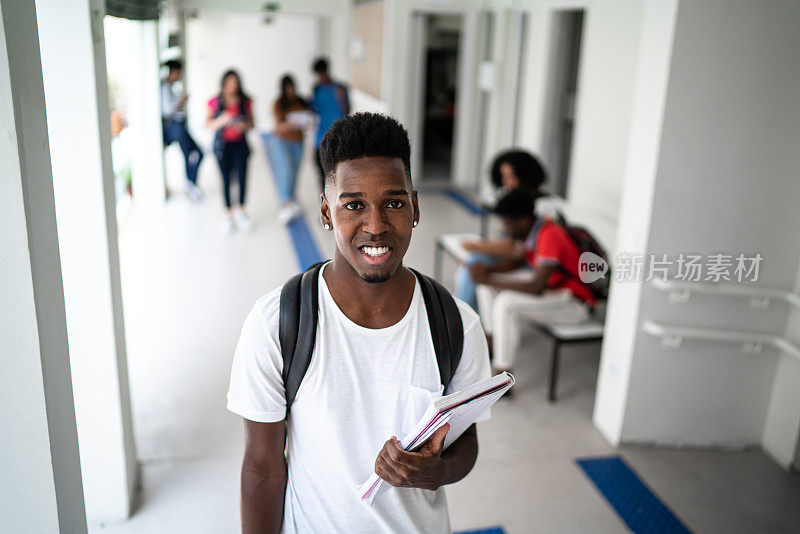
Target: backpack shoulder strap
447, 328
299, 307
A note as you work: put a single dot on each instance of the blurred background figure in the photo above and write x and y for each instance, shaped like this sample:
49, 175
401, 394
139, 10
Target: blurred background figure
230, 115
173, 119
331, 102
284, 145
513, 169
121, 158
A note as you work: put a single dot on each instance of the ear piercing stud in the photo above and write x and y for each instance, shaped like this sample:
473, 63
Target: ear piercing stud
326, 226
415, 223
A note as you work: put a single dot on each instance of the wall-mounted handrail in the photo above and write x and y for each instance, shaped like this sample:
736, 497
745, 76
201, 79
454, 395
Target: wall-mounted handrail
672, 336
759, 296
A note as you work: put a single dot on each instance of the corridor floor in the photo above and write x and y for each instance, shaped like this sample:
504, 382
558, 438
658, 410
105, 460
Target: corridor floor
187, 289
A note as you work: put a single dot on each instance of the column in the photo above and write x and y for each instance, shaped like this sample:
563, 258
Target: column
40, 483
75, 85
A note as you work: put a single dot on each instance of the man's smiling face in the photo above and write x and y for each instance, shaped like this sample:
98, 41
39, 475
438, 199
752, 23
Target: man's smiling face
372, 208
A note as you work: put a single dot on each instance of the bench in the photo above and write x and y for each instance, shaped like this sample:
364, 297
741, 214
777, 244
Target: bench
590, 331
451, 245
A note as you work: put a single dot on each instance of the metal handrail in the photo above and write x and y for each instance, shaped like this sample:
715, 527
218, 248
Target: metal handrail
759, 296
672, 336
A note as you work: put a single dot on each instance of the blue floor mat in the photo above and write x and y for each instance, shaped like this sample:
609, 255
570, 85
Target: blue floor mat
633, 501
465, 202
305, 246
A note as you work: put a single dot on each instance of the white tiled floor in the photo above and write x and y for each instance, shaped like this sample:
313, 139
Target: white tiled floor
186, 291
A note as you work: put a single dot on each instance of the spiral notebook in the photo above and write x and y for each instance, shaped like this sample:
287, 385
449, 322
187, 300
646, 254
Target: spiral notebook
460, 409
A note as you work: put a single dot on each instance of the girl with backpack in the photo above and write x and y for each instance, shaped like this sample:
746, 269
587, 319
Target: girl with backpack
230, 115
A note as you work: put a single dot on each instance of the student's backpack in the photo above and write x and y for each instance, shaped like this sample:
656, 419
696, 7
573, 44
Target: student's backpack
586, 242
299, 307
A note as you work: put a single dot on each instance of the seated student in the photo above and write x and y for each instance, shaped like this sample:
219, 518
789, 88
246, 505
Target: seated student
514, 169
373, 355
551, 293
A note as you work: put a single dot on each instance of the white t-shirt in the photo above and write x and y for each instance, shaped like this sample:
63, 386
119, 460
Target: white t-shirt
362, 387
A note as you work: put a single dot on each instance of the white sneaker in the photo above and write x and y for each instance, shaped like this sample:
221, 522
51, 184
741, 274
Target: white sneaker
194, 193
243, 222
227, 227
288, 212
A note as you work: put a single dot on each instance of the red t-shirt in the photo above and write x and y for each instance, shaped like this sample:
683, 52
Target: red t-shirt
229, 133
554, 246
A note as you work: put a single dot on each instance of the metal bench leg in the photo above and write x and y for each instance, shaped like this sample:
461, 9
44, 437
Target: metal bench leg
551, 387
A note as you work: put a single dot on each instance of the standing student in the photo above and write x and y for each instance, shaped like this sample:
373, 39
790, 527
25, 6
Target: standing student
230, 114
331, 102
548, 291
284, 146
173, 121
373, 358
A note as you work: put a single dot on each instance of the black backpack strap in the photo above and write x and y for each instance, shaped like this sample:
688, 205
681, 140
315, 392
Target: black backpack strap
297, 331
447, 328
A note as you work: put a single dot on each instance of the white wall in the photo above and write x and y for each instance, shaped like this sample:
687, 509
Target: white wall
261, 53
724, 181
74, 69
606, 77
41, 480
622, 314
333, 24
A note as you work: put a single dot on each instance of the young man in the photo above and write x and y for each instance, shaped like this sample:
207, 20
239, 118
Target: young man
550, 293
373, 365
331, 102
173, 120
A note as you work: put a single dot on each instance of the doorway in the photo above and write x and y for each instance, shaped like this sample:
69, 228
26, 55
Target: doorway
438, 50
565, 47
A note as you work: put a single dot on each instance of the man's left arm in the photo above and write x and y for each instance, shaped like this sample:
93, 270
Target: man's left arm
431, 467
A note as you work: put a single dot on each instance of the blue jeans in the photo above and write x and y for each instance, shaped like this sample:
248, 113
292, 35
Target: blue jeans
176, 131
284, 158
465, 285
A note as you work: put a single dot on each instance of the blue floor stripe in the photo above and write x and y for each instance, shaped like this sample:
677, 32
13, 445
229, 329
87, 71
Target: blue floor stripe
488, 530
635, 504
465, 202
304, 244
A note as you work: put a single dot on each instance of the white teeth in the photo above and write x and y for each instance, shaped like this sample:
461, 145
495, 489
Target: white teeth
375, 251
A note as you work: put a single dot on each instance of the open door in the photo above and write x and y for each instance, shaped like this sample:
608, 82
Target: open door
436, 47
565, 46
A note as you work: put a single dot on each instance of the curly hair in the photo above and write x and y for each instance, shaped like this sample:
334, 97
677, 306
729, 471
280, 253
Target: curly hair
364, 135
530, 172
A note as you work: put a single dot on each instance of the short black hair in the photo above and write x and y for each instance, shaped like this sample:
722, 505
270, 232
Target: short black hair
364, 135
528, 169
320, 65
173, 64
516, 204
